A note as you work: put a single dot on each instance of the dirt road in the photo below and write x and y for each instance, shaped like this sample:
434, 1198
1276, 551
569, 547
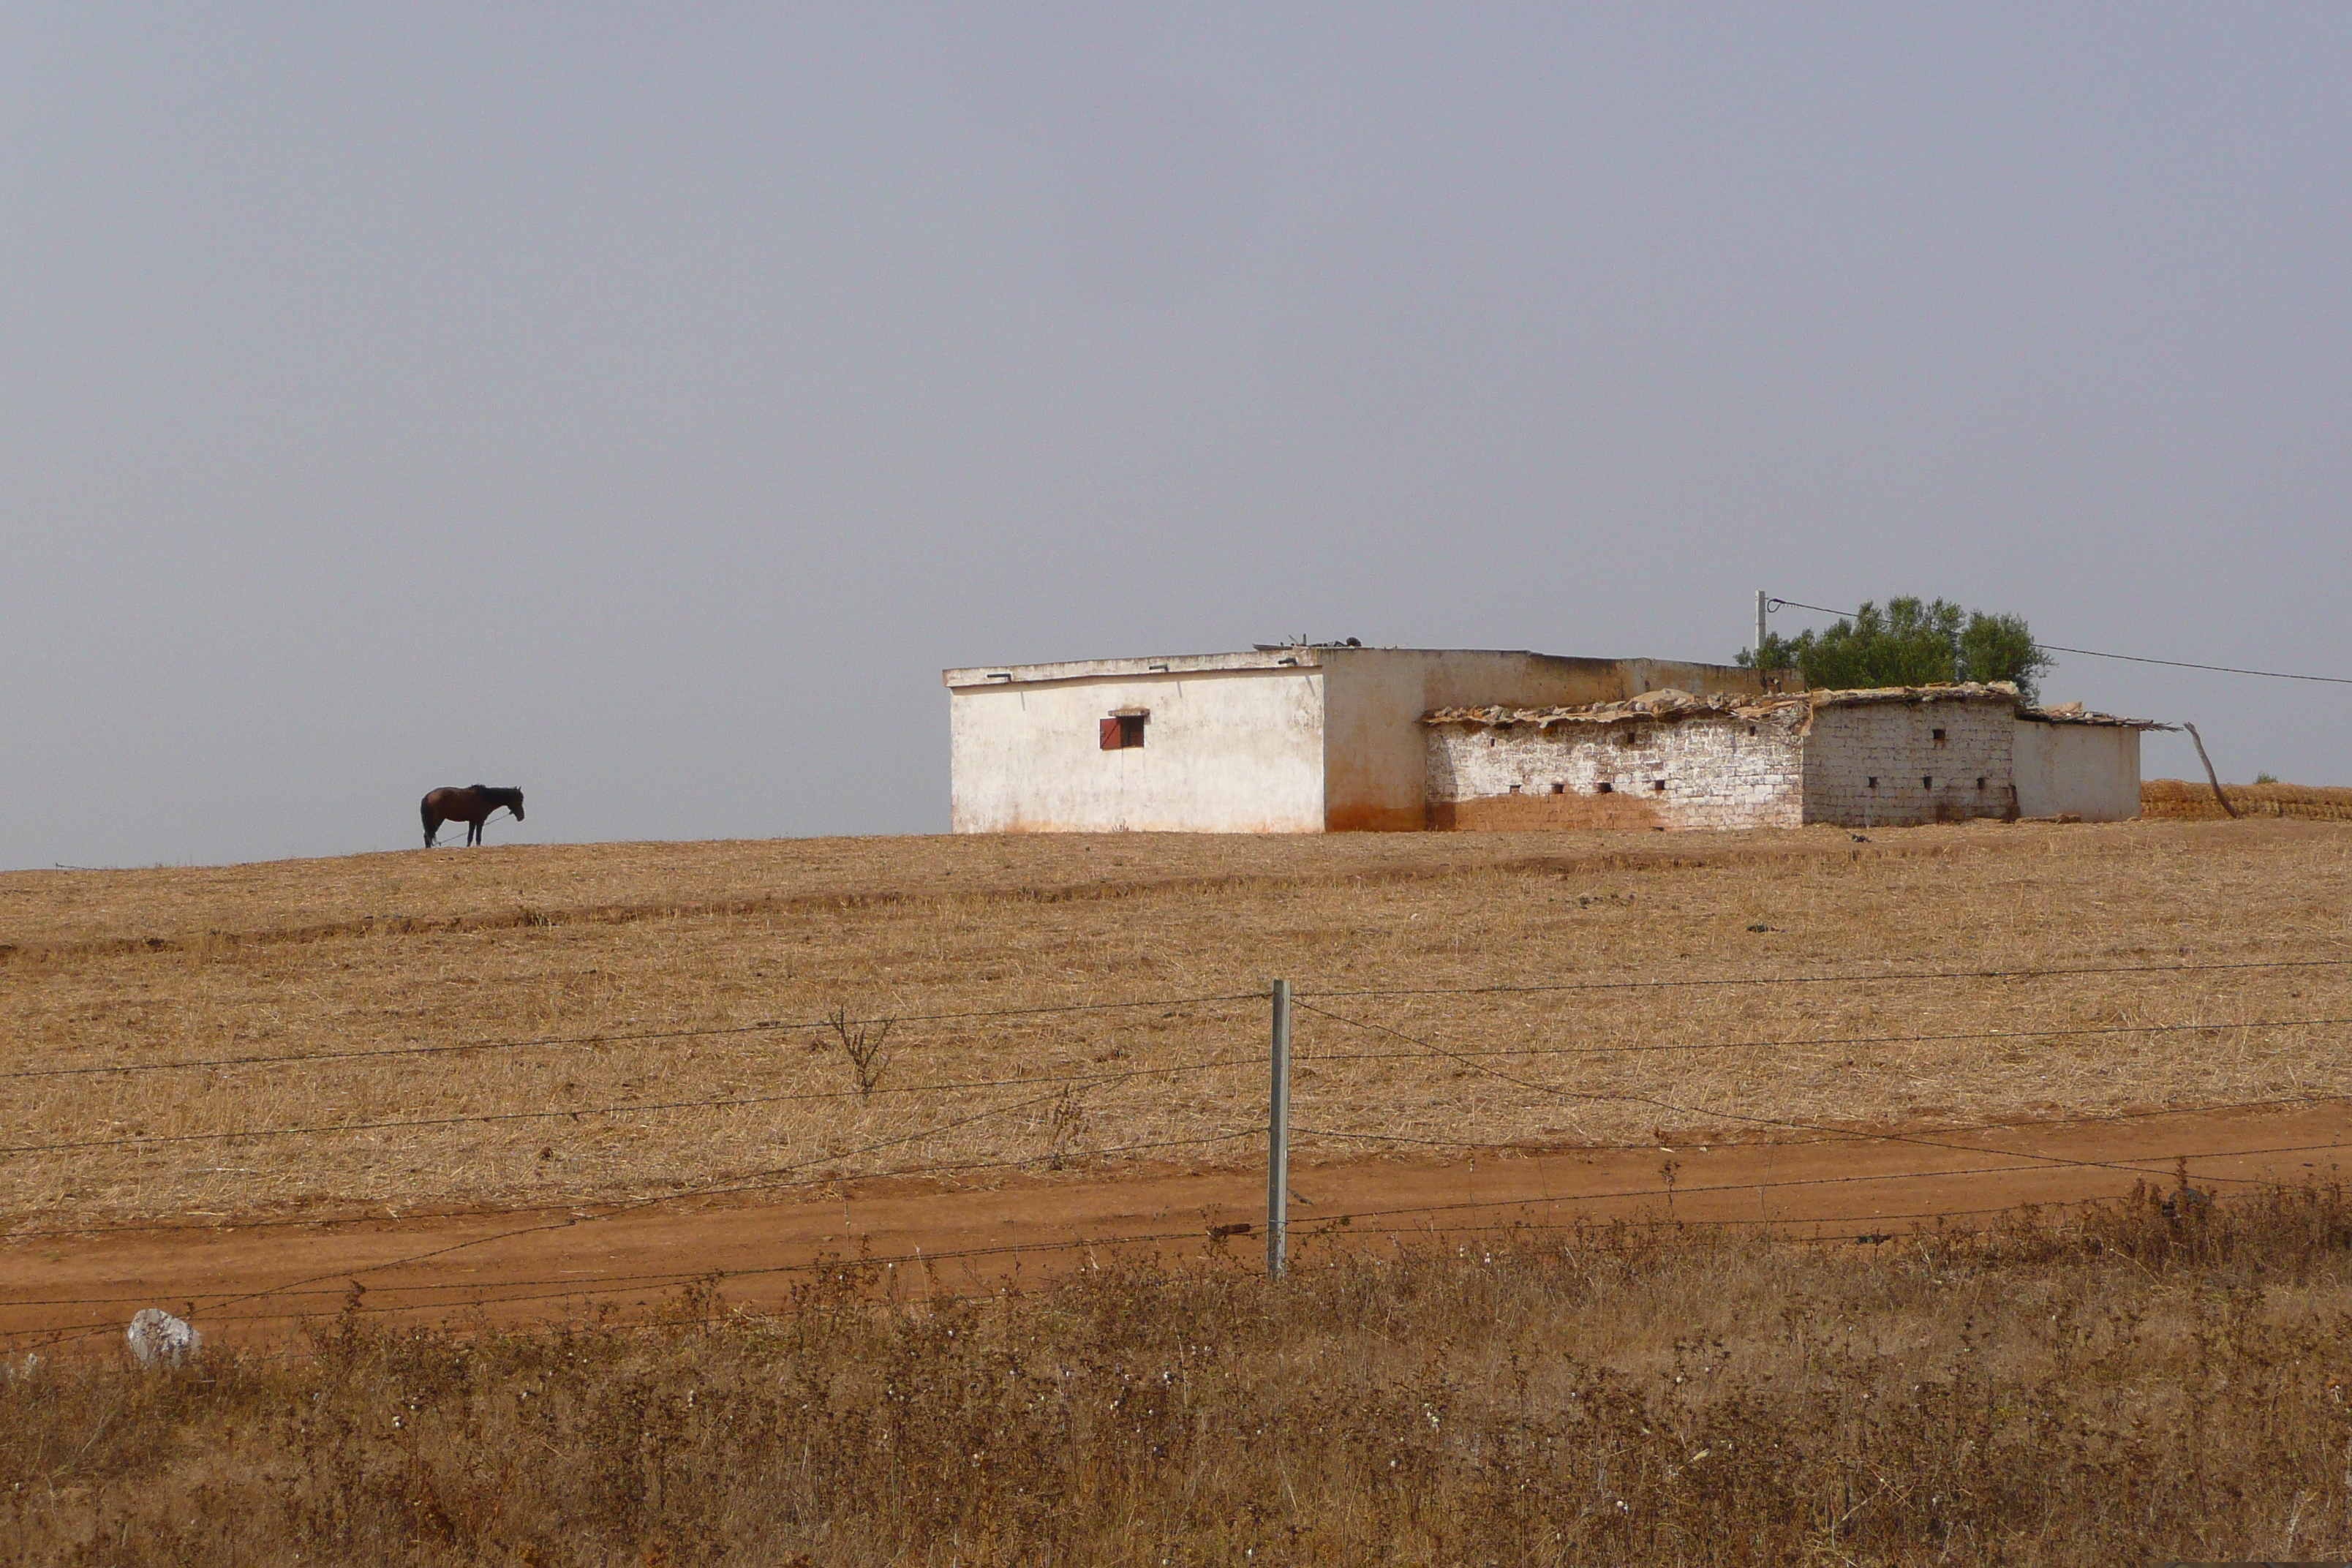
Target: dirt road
254, 1282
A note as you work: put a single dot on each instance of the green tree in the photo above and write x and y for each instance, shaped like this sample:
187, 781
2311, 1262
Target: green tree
1910, 642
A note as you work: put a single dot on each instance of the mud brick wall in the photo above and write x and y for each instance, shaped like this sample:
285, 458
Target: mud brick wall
1716, 770
1891, 764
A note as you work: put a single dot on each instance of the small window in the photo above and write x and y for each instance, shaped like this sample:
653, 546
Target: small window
1927, 781
1658, 784
1559, 789
1515, 789
1873, 781
1123, 731
1940, 737
1607, 789
1979, 784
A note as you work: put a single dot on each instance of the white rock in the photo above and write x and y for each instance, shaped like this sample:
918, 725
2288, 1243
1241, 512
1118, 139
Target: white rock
159, 1339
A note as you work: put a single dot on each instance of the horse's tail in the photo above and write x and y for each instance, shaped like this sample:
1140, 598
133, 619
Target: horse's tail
424, 810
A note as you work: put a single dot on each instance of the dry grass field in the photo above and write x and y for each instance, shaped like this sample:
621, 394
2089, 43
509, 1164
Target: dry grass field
328, 995
2180, 800
2142, 1386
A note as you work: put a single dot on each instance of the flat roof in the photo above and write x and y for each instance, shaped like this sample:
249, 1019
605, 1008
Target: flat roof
1299, 657
1674, 706
1164, 664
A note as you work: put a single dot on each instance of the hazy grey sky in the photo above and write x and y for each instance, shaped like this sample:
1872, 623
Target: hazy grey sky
642, 405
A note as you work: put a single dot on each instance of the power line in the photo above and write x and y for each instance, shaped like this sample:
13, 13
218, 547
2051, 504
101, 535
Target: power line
554, 1042
330, 1129
789, 1025
1882, 977
1096, 1079
1988, 1035
1520, 1147
759, 1183
1652, 1100
2094, 653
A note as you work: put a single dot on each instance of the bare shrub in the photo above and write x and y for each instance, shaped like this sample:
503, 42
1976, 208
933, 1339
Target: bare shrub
1067, 1127
864, 1045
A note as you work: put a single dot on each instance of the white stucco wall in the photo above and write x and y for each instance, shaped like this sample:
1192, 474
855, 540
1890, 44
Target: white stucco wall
1894, 744
1235, 751
2091, 771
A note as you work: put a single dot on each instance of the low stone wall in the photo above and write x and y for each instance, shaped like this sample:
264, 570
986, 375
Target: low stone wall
1714, 771
1542, 812
1857, 765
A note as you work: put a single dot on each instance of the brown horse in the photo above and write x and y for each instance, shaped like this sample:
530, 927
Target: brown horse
471, 805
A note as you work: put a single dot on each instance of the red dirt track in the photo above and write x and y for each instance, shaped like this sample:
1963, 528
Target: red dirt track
252, 1282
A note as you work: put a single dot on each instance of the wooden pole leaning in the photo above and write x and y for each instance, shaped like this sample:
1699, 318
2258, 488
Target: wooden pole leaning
2210, 776
1278, 1138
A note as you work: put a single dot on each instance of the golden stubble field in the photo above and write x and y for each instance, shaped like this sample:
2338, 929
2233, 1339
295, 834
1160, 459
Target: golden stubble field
350, 966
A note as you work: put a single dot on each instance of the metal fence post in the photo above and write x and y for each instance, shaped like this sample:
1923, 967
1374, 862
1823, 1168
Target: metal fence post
1278, 1138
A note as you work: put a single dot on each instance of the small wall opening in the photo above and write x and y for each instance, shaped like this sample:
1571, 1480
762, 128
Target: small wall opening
1658, 784
1559, 789
1927, 781
1123, 731
1940, 737
1873, 781
1606, 788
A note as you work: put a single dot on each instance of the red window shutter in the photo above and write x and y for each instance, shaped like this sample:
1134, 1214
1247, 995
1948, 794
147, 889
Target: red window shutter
1110, 735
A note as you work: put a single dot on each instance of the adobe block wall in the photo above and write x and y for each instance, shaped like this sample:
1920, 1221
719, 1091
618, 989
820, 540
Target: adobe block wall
1375, 763
1881, 764
1712, 772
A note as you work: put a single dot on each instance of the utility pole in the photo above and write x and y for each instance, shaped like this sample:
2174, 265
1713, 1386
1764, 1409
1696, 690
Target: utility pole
2210, 776
1278, 1138
1759, 628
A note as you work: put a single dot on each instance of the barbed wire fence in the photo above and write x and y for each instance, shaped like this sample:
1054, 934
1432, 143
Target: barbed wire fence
88, 1316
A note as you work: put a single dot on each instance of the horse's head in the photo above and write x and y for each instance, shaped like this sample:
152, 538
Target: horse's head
517, 806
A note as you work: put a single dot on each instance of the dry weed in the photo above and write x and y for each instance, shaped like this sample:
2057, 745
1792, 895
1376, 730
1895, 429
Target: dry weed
2164, 1380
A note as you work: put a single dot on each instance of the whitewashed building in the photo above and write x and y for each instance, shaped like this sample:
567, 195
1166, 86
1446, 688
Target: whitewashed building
1279, 740
1318, 738
1887, 757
